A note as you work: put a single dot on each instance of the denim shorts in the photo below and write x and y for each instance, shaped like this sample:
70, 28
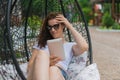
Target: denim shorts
63, 73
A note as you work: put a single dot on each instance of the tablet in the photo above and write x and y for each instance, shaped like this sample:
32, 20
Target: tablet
56, 48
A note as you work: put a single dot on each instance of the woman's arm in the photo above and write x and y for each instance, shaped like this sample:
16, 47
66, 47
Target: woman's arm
81, 45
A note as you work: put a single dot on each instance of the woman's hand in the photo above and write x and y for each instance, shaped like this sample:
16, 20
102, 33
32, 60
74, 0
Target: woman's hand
61, 19
54, 60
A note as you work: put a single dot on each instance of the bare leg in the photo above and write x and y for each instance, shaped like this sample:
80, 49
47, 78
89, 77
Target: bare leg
30, 73
41, 67
31, 63
40, 70
55, 73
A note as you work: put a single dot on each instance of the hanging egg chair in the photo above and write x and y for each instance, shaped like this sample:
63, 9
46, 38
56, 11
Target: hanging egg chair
18, 33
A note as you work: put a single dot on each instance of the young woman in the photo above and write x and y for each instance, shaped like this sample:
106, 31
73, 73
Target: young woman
42, 65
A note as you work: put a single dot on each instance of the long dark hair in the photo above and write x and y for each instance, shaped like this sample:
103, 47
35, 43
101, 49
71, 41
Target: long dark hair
44, 33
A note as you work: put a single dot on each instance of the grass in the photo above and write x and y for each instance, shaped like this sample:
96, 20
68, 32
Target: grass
110, 28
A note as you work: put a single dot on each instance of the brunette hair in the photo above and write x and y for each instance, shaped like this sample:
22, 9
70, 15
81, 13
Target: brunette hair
44, 33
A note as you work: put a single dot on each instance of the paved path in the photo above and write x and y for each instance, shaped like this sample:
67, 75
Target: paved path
106, 53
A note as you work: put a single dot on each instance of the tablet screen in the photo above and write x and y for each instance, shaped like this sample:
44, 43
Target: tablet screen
56, 48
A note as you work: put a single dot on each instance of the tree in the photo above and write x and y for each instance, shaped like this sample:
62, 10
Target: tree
107, 20
87, 10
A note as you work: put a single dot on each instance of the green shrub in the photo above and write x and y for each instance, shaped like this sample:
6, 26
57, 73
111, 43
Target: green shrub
18, 55
116, 26
107, 20
34, 22
87, 13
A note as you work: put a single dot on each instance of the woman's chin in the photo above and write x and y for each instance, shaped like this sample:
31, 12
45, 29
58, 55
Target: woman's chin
55, 37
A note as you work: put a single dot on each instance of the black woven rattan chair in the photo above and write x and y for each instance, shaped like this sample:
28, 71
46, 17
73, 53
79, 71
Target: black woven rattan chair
17, 37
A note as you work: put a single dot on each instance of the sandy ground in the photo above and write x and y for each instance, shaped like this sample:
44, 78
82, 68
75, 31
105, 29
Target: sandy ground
106, 53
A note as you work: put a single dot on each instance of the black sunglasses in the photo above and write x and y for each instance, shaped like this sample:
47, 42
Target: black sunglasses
56, 27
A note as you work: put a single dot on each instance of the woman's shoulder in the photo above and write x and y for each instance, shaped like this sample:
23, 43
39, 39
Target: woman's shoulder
36, 46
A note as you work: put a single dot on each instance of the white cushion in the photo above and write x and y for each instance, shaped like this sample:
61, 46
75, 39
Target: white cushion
78, 70
89, 73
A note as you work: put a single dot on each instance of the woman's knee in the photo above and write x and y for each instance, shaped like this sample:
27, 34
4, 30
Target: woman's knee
54, 69
42, 53
55, 73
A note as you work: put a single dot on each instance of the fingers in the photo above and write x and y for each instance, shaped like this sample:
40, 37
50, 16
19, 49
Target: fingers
54, 60
52, 57
57, 59
62, 19
60, 15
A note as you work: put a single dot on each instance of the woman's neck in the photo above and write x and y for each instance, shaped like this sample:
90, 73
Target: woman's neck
64, 41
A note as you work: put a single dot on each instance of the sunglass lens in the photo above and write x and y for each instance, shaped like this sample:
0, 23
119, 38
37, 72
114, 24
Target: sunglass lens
56, 26
49, 28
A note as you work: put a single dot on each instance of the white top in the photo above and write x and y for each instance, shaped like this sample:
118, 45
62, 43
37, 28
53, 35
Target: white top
68, 53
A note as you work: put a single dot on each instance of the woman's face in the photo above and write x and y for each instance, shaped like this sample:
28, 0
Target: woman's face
56, 30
